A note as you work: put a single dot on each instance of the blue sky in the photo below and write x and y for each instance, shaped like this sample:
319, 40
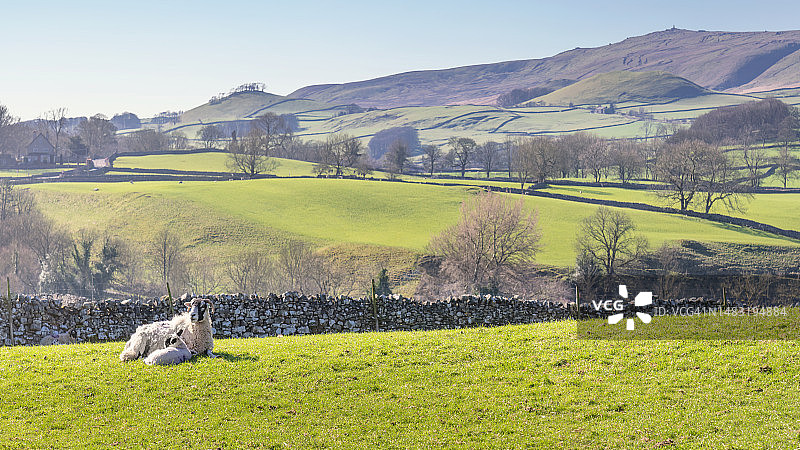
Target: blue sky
148, 56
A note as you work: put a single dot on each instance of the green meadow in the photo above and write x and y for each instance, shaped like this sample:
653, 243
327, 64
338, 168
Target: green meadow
780, 210
528, 386
229, 216
207, 162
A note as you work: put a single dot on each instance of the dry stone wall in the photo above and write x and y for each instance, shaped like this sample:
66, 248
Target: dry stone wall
41, 319
236, 316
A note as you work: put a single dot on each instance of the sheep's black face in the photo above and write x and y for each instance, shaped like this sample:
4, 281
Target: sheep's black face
171, 341
199, 310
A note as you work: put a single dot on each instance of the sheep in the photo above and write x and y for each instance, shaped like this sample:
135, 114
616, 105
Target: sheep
194, 324
175, 352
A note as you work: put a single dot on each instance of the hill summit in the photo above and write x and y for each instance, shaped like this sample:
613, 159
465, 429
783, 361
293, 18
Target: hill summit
719, 60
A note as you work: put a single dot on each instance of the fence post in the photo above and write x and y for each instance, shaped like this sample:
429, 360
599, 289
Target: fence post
9, 315
374, 305
171, 302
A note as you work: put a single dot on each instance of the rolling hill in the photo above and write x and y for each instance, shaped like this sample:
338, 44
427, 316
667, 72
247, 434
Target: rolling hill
718, 60
620, 86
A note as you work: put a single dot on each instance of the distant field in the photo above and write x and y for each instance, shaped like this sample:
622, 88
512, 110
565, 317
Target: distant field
209, 161
529, 386
222, 218
28, 172
780, 210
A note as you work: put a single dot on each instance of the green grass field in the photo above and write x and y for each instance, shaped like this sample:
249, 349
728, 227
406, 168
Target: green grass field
222, 218
531, 386
208, 161
27, 172
780, 210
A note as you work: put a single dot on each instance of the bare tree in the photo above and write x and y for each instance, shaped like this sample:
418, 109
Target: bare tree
251, 273
587, 275
594, 157
609, 237
293, 258
488, 154
535, 159
431, 155
462, 150
668, 277
97, 133
524, 162
717, 181
786, 165
269, 134
626, 156
494, 236
7, 122
166, 252
56, 121
178, 140
210, 135
327, 276
201, 277
680, 166
509, 149
396, 157
754, 158
147, 141
339, 152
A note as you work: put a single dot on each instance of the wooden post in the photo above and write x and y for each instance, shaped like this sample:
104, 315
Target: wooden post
9, 315
375, 305
577, 304
171, 302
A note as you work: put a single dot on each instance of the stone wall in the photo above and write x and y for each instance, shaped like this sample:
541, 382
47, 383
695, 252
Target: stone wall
243, 316
251, 316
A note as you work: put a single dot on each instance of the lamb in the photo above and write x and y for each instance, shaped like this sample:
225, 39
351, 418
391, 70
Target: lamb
194, 326
175, 352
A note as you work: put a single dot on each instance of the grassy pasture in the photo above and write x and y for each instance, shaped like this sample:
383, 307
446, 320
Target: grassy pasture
222, 218
780, 210
530, 386
209, 161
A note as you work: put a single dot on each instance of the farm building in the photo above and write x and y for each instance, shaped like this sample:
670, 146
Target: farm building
41, 151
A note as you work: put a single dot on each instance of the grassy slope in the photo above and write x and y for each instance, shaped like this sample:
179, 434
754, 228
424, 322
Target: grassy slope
779, 210
226, 217
211, 161
508, 387
244, 104
622, 86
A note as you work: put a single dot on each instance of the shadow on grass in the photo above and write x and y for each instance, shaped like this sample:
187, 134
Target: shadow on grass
230, 357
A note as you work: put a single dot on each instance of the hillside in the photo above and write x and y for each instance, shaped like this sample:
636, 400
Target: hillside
719, 60
507, 387
262, 214
620, 86
248, 104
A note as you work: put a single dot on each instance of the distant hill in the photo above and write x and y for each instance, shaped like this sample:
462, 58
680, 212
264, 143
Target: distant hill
719, 60
620, 86
247, 105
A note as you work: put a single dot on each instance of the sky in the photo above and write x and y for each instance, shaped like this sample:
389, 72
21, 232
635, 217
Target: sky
151, 56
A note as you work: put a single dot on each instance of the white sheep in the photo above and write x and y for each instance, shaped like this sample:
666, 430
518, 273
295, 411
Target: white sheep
175, 352
194, 326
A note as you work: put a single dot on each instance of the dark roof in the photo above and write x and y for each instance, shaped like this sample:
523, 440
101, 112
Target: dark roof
40, 145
